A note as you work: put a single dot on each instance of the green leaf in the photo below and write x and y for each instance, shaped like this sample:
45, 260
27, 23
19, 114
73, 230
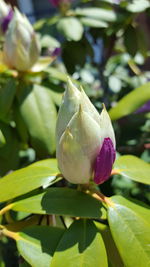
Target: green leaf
71, 28
113, 255
97, 13
2, 139
131, 234
138, 6
9, 152
131, 102
7, 93
95, 23
37, 244
20, 125
141, 208
81, 245
130, 37
60, 201
39, 114
59, 75
78, 57
133, 168
27, 179
42, 63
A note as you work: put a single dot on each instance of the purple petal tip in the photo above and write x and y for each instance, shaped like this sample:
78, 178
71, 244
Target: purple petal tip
6, 21
104, 162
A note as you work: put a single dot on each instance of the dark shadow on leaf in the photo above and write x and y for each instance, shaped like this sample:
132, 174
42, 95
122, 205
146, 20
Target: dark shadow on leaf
81, 232
70, 202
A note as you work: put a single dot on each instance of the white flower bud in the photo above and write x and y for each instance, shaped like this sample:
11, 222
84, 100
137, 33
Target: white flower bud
21, 47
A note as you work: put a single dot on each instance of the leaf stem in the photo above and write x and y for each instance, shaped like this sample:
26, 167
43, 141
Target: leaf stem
5, 209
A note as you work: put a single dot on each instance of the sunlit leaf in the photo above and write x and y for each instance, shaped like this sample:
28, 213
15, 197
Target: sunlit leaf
131, 102
131, 233
133, 168
81, 245
114, 258
97, 13
37, 244
27, 179
71, 28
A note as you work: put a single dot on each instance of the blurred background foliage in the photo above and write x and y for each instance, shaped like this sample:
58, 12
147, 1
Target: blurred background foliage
105, 46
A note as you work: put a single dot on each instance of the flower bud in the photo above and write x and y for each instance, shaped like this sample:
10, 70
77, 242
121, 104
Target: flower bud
85, 141
21, 47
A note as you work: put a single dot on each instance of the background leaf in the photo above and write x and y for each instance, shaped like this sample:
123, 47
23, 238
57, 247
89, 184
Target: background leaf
39, 114
7, 93
95, 23
131, 234
71, 28
133, 168
131, 102
97, 13
9, 152
130, 37
81, 245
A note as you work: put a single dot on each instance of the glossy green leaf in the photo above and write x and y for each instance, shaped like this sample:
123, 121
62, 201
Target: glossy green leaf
27, 179
95, 23
130, 37
2, 139
131, 102
37, 244
97, 13
9, 152
81, 245
7, 93
131, 234
71, 28
133, 168
139, 207
20, 125
113, 255
58, 75
39, 114
61, 201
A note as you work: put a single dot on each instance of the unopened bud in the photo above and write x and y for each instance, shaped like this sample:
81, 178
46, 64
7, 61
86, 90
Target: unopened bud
21, 47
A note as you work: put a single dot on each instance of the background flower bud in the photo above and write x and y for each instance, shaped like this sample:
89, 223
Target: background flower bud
21, 47
85, 139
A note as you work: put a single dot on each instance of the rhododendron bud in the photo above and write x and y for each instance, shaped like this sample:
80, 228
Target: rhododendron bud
21, 47
85, 141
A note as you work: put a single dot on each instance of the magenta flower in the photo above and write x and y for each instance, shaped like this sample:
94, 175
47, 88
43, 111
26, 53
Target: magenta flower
104, 161
6, 21
57, 3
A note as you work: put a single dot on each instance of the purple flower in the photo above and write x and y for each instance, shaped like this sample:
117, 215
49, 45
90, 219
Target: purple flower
104, 161
6, 21
57, 3
56, 52
144, 108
